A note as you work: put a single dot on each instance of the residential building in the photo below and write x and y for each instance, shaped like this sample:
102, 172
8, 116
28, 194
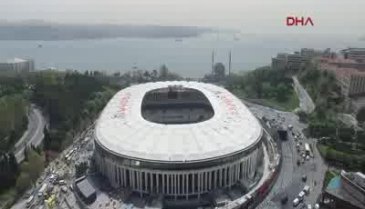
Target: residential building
357, 54
279, 62
17, 65
349, 73
296, 60
308, 54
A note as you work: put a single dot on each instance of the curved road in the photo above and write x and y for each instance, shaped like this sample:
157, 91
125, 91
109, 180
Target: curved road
305, 101
289, 181
33, 135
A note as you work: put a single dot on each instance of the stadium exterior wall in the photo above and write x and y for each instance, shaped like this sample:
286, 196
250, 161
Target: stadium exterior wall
179, 178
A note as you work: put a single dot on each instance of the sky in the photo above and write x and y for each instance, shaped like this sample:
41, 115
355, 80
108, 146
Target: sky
249, 16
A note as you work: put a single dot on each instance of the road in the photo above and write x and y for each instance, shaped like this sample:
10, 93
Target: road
33, 135
290, 181
305, 101
58, 165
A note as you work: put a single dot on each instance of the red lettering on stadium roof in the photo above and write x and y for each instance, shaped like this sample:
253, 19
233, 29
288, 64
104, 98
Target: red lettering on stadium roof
123, 108
232, 108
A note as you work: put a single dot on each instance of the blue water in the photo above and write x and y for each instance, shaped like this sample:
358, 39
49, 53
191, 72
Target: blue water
190, 57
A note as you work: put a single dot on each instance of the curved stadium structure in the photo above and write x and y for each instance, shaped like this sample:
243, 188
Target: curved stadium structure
177, 139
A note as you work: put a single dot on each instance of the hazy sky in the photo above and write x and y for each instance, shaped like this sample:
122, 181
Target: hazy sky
342, 16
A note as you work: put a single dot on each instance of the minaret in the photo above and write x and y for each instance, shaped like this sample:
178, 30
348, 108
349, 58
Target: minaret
229, 63
213, 62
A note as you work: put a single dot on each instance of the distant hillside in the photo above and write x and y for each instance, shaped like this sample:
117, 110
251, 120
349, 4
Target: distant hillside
48, 31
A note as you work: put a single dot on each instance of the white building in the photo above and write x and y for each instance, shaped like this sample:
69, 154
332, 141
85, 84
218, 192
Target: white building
17, 65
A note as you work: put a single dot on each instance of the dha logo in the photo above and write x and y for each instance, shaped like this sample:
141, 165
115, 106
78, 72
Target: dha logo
302, 21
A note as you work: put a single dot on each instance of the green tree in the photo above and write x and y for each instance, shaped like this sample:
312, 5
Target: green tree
282, 93
8, 170
360, 116
303, 117
34, 165
23, 182
219, 71
47, 141
163, 73
81, 169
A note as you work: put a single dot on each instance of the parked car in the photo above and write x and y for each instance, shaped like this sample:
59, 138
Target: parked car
296, 202
306, 189
301, 195
61, 182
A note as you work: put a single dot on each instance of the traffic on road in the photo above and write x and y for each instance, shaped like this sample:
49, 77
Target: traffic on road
300, 180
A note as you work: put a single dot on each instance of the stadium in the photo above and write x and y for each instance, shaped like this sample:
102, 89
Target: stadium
177, 139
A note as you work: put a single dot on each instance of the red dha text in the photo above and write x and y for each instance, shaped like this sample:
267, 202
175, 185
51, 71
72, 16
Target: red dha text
301, 21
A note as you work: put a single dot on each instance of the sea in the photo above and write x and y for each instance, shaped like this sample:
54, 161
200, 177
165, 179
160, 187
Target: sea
189, 57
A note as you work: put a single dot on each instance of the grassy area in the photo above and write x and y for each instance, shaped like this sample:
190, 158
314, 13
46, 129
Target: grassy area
322, 150
289, 105
265, 86
346, 160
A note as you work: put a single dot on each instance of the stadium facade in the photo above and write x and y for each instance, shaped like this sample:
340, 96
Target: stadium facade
177, 139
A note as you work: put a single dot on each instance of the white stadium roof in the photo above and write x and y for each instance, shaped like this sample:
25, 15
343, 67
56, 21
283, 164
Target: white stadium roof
122, 130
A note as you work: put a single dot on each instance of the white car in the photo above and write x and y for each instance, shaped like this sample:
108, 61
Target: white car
296, 202
316, 206
306, 189
301, 195
61, 182
309, 206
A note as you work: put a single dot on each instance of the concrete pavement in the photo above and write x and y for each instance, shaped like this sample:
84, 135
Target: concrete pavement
305, 101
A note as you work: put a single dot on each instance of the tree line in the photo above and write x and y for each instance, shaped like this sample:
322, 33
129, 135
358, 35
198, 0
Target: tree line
262, 83
340, 144
13, 110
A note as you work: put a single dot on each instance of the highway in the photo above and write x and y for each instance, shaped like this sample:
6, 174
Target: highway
33, 135
289, 182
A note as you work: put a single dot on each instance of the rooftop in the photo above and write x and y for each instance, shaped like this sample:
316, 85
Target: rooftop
121, 129
14, 60
85, 188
